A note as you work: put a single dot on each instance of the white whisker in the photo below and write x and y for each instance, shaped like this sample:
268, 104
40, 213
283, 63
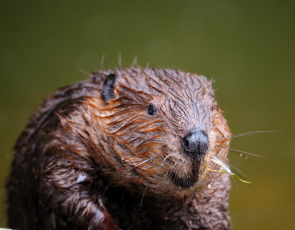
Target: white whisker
245, 134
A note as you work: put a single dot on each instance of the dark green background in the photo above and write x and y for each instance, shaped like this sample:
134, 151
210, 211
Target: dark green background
247, 46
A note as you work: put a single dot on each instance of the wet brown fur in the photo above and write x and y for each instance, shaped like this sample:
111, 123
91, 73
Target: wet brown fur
83, 163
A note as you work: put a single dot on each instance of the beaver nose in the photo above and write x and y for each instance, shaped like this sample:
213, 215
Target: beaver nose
195, 144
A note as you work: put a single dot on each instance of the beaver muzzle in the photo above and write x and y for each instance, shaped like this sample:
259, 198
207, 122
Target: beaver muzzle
195, 145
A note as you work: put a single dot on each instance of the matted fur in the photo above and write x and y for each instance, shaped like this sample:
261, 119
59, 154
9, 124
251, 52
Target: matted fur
83, 163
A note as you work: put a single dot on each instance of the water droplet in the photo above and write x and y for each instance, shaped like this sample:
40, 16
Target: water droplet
180, 187
163, 79
241, 154
219, 200
179, 122
193, 115
246, 157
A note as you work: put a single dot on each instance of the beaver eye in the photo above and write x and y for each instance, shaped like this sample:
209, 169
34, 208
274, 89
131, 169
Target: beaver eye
151, 110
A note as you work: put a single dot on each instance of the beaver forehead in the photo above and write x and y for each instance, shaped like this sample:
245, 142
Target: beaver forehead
163, 81
184, 97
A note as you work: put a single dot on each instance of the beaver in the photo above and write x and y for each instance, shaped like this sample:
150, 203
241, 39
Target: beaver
129, 148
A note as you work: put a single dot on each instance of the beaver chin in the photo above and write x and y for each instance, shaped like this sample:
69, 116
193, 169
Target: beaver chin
188, 181
184, 183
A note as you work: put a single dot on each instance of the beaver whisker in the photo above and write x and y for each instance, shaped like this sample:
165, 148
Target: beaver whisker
162, 164
236, 183
96, 170
141, 163
235, 170
119, 61
134, 62
239, 151
238, 174
146, 165
168, 171
143, 196
242, 155
149, 164
245, 134
171, 173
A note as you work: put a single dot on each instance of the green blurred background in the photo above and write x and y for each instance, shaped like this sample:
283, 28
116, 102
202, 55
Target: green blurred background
247, 46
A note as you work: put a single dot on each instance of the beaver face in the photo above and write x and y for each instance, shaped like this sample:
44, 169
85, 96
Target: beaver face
163, 127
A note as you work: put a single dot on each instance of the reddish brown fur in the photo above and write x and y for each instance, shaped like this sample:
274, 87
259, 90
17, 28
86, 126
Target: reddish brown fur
82, 163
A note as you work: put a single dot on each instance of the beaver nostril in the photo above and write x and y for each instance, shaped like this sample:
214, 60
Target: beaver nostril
195, 143
186, 143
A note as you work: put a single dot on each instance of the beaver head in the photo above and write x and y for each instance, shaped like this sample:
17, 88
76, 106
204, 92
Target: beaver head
158, 130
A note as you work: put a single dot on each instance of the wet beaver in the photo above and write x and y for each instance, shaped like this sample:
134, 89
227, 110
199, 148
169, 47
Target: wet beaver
125, 149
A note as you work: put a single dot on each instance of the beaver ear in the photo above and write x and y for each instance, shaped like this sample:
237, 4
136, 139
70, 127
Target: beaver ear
108, 88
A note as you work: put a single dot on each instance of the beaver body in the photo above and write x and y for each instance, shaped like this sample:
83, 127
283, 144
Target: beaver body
125, 149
